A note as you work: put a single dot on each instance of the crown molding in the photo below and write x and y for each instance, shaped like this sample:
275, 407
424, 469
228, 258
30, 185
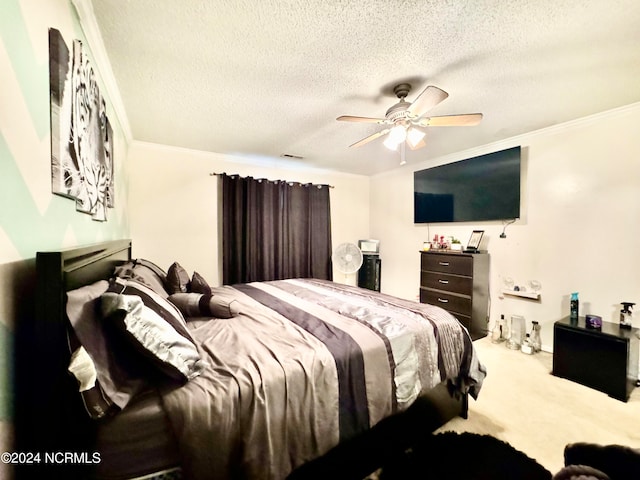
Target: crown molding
523, 140
87, 18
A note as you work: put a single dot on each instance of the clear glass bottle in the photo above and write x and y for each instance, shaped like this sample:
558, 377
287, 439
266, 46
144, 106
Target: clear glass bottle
498, 335
536, 342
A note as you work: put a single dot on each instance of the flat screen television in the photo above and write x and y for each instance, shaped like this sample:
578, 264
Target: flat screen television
481, 188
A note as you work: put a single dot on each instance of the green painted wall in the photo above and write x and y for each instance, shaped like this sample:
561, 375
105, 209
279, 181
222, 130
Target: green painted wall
31, 217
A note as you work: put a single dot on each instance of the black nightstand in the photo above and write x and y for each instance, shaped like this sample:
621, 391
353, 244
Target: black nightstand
605, 359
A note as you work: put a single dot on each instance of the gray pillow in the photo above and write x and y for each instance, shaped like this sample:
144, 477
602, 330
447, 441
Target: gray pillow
157, 341
200, 305
177, 279
144, 271
160, 305
115, 384
199, 284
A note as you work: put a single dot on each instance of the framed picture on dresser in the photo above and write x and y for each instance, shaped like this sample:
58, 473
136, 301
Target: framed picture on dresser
474, 241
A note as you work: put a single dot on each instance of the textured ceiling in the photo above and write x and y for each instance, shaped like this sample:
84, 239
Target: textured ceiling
259, 79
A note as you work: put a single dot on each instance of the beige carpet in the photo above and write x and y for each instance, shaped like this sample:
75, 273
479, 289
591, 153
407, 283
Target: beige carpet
537, 413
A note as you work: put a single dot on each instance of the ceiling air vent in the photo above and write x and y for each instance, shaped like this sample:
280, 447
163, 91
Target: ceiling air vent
288, 155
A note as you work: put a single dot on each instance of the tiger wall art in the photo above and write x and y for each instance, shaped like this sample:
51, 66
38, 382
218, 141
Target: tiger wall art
81, 135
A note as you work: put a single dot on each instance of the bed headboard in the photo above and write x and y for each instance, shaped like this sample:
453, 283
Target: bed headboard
58, 419
60, 271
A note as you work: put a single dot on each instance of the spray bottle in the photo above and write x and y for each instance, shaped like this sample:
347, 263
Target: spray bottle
574, 306
625, 314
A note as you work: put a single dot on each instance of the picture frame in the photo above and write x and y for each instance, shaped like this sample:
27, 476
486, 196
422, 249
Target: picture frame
82, 143
474, 241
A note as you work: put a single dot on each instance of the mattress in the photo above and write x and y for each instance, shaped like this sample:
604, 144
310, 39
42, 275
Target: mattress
137, 441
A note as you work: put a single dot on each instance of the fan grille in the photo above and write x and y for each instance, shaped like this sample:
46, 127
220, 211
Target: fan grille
347, 258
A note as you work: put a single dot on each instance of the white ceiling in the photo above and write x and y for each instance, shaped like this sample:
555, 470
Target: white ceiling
263, 78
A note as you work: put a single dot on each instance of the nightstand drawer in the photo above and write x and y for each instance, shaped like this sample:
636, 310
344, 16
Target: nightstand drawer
450, 283
456, 264
452, 303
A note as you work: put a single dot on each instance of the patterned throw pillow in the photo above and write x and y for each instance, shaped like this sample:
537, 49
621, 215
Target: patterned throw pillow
161, 306
155, 313
153, 330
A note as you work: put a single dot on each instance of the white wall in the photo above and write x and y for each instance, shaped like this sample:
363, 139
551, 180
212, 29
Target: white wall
174, 204
579, 226
577, 232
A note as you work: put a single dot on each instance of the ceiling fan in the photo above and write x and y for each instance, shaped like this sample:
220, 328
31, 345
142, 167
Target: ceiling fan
407, 120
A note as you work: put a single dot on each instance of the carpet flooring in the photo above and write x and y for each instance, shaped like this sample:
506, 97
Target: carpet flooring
402, 447
522, 404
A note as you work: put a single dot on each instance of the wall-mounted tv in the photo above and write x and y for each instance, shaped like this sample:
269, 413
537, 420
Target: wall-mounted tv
476, 189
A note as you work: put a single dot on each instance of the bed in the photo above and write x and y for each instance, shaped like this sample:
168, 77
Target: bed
282, 371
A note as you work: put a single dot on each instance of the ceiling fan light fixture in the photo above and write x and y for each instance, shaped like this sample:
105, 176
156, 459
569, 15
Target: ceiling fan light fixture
398, 134
414, 136
390, 143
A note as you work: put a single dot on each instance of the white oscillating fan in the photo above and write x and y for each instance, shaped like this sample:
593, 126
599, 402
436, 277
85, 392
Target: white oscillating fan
347, 258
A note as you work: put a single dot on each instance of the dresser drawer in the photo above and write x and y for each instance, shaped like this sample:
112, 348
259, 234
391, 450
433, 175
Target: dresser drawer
455, 304
450, 283
463, 319
456, 264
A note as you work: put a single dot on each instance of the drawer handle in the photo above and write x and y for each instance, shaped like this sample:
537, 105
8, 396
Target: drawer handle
443, 300
445, 282
444, 264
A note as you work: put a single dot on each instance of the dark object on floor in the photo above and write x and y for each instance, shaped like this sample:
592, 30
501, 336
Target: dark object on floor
580, 472
360, 456
405, 447
617, 461
464, 456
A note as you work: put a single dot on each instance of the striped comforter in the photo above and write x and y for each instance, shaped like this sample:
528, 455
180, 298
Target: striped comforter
306, 364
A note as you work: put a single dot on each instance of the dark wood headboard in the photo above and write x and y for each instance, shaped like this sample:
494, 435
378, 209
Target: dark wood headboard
53, 412
63, 270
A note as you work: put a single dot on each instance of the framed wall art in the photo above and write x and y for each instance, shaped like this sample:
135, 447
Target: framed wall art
81, 135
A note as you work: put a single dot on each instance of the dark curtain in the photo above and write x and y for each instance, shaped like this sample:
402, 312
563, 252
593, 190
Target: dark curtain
273, 230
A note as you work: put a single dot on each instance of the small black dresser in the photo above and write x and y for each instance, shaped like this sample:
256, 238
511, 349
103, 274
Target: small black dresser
369, 273
605, 359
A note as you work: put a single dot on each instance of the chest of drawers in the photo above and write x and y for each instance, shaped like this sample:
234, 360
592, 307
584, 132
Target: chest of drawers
459, 283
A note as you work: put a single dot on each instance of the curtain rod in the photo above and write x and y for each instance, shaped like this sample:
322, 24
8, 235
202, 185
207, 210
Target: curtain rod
213, 174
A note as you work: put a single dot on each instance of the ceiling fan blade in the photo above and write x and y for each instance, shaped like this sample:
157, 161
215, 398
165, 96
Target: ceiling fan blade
370, 138
464, 120
351, 118
428, 98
